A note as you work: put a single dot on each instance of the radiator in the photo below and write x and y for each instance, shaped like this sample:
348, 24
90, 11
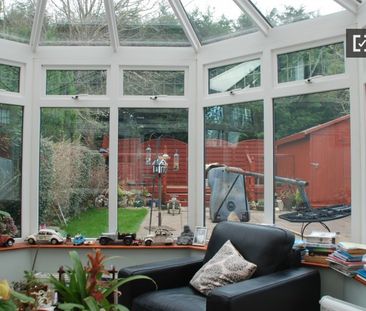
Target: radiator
329, 303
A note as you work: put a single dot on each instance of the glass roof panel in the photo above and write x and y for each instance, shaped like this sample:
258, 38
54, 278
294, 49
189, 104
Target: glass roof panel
281, 12
75, 22
215, 20
16, 19
149, 23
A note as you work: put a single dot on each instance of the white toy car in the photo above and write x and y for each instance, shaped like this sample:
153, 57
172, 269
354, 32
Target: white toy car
45, 236
160, 237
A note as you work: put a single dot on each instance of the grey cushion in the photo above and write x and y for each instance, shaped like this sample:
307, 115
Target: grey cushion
226, 267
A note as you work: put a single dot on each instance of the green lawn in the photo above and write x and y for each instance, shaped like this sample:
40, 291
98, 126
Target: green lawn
95, 221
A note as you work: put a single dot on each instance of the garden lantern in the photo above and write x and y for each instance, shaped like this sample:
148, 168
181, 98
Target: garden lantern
148, 155
176, 161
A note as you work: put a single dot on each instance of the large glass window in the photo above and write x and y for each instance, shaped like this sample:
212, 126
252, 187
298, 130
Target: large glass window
9, 78
217, 20
148, 22
234, 138
153, 169
11, 139
319, 61
73, 170
234, 76
16, 19
281, 12
153, 82
73, 82
312, 148
75, 22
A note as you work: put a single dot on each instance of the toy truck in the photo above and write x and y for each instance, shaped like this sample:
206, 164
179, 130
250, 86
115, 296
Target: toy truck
116, 237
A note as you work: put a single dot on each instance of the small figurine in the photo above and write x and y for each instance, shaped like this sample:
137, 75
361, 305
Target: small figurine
174, 206
186, 237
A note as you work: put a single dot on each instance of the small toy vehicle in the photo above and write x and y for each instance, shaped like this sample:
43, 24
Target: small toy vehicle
45, 236
6, 240
78, 240
112, 237
160, 237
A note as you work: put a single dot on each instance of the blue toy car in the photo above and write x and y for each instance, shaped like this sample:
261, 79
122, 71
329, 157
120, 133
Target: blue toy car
78, 240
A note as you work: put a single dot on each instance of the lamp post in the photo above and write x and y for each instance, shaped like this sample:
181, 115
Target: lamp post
159, 167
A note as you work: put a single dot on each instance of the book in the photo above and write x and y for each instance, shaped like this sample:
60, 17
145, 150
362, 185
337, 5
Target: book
360, 279
342, 270
322, 237
320, 245
316, 259
350, 265
362, 272
352, 248
347, 257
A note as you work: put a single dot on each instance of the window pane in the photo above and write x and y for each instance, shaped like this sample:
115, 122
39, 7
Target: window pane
234, 76
217, 20
153, 82
73, 173
146, 135
16, 19
73, 82
320, 61
9, 78
75, 22
148, 22
281, 12
234, 137
312, 143
11, 140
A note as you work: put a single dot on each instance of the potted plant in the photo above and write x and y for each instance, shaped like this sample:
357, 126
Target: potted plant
9, 297
85, 289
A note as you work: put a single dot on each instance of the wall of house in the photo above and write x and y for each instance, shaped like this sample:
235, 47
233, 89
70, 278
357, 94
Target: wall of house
14, 262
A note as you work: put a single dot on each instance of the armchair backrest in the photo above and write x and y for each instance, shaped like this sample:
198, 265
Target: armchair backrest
267, 246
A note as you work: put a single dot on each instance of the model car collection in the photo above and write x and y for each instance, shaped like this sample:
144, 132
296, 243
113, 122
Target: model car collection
161, 236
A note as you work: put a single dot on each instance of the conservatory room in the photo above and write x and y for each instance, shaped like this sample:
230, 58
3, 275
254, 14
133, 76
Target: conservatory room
167, 155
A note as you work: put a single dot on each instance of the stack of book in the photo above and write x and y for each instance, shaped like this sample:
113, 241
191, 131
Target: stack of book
319, 245
348, 258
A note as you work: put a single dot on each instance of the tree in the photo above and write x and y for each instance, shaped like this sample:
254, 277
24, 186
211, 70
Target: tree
297, 113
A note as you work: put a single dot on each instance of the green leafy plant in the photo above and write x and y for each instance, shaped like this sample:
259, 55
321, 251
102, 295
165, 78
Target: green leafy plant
85, 289
8, 297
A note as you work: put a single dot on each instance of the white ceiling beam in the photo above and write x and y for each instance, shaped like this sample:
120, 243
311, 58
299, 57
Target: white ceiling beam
185, 23
112, 24
350, 5
37, 24
254, 14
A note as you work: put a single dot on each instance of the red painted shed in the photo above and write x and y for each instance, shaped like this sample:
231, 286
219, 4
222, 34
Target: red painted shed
320, 155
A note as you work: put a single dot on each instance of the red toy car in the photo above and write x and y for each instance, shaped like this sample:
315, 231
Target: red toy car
6, 240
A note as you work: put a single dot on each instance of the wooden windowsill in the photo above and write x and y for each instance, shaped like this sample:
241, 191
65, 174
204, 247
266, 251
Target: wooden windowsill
18, 246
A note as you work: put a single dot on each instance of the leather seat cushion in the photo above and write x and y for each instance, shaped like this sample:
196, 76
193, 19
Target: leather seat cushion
170, 300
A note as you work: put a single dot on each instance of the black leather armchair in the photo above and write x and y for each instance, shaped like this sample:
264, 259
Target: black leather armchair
279, 283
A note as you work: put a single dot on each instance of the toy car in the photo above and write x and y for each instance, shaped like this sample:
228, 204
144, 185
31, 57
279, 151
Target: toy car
6, 240
113, 237
45, 236
161, 236
78, 240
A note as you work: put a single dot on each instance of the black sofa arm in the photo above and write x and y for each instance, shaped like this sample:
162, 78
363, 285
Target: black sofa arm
167, 274
292, 289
